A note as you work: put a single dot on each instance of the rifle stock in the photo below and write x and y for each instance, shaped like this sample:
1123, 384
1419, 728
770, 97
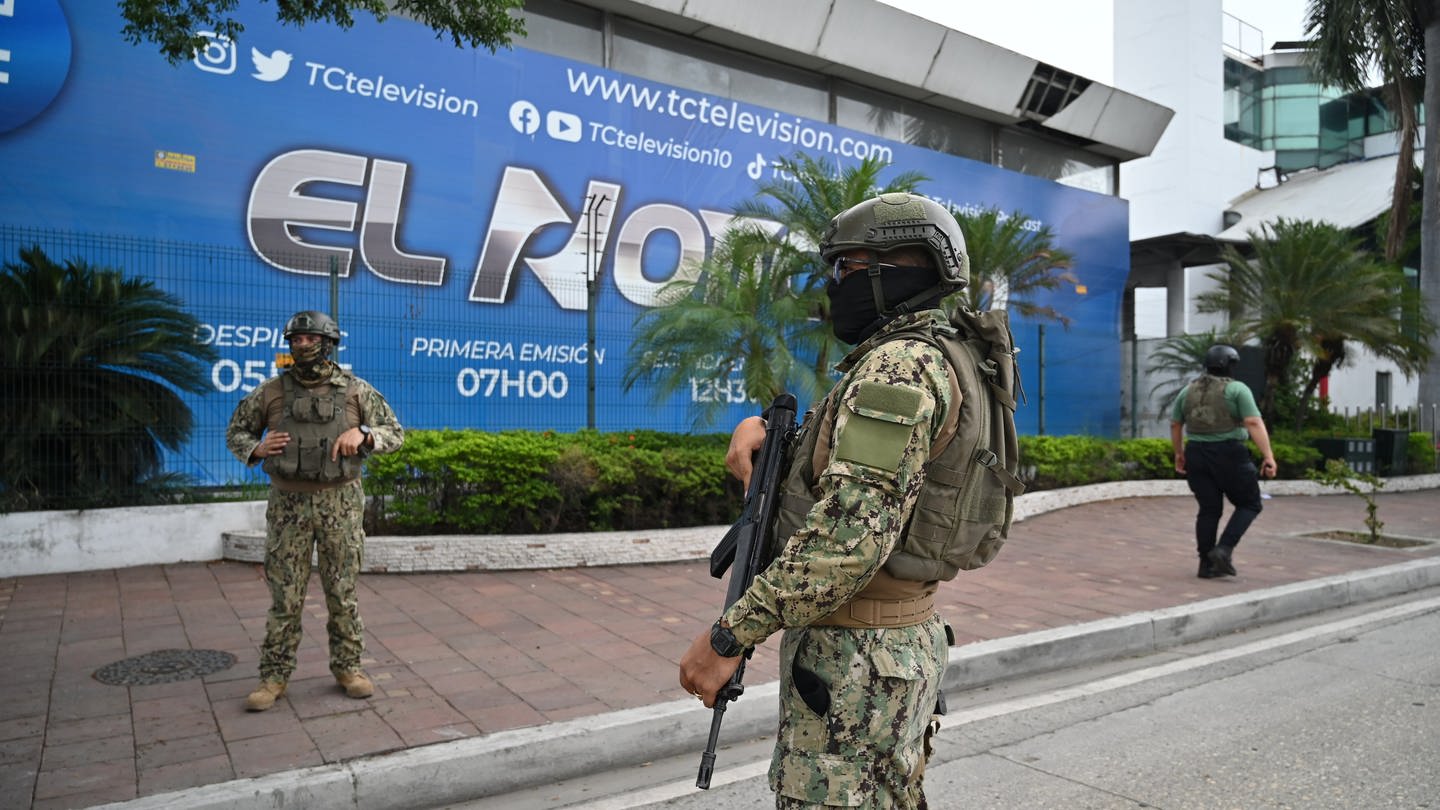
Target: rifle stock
742, 550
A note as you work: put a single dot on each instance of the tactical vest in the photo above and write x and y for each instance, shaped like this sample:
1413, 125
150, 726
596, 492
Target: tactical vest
314, 421
963, 512
1205, 408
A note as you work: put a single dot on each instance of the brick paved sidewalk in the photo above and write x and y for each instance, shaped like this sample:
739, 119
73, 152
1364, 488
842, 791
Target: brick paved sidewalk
467, 654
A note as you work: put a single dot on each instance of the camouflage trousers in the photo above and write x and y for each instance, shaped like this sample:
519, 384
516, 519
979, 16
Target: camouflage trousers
327, 524
869, 748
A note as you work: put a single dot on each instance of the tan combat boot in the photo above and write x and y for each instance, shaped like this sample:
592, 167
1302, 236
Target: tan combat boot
355, 684
264, 696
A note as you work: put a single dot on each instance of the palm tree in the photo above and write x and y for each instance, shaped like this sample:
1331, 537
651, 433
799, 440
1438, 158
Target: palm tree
1180, 358
804, 206
1399, 39
1308, 290
738, 314
1010, 262
89, 364
757, 306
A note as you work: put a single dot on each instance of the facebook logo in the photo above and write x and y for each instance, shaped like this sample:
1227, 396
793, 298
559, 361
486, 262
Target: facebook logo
524, 117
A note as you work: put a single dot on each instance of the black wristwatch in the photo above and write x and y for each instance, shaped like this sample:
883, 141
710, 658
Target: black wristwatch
722, 641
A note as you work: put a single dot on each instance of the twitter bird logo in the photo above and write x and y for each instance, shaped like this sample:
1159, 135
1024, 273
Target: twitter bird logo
270, 68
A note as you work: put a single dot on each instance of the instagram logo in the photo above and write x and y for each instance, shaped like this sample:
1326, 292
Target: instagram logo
218, 55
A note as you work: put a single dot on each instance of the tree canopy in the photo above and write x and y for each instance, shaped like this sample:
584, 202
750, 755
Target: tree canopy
171, 25
1010, 261
1309, 289
756, 307
1349, 40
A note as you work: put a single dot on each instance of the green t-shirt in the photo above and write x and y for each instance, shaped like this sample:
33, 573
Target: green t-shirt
1238, 400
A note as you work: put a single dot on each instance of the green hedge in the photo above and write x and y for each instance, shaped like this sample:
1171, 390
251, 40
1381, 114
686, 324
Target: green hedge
472, 482
518, 482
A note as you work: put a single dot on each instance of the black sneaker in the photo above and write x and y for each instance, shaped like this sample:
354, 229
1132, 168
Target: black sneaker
1220, 561
1207, 571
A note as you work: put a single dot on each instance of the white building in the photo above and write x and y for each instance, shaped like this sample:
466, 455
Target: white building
1252, 140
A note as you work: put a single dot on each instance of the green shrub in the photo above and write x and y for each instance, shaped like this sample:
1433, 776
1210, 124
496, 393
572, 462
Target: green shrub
1146, 458
518, 482
1294, 458
465, 481
1419, 454
1049, 462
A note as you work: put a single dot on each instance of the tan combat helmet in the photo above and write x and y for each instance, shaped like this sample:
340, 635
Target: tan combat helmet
901, 219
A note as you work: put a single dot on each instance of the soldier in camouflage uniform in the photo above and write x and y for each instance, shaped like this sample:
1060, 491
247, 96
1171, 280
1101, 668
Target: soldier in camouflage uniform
312, 427
862, 652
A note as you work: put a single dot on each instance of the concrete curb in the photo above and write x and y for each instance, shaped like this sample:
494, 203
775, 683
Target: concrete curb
447, 773
501, 552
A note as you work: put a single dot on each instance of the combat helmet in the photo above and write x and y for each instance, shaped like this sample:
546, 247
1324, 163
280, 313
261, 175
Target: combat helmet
1221, 359
311, 322
901, 219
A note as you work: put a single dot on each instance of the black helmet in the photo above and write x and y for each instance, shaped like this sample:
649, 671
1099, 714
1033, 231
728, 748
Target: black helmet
1221, 358
901, 219
311, 322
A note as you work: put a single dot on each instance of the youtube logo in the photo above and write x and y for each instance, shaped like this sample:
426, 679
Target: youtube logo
563, 126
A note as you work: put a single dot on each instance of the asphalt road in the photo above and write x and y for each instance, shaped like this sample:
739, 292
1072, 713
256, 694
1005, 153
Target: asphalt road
1337, 710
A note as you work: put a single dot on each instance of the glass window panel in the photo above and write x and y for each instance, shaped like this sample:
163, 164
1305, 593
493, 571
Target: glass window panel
665, 57
1298, 116
563, 29
1028, 154
911, 122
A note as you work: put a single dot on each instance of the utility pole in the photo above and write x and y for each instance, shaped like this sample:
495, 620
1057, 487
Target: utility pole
334, 290
594, 252
1041, 375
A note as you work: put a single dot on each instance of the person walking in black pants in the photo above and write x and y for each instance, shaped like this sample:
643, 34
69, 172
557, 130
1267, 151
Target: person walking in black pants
1218, 413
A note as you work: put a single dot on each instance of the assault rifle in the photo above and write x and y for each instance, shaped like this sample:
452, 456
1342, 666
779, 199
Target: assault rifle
744, 548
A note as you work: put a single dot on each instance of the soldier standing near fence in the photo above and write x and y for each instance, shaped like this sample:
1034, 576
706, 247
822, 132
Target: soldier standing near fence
312, 427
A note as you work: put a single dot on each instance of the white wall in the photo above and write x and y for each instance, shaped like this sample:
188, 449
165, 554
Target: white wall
1352, 387
94, 539
1169, 51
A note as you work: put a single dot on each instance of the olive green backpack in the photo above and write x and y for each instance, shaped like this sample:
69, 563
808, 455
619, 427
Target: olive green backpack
963, 513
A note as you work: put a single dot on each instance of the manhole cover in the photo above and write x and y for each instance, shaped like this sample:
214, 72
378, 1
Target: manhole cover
164, 666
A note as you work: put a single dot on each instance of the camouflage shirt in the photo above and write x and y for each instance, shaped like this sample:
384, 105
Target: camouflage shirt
864, 501
263, 408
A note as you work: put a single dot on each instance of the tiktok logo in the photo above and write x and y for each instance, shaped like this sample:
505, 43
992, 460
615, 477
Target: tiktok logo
757, 166
34, 58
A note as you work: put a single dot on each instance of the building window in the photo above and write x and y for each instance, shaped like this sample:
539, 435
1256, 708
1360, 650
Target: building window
564, 29
1242, 103
911, 122
670, 58
1029, 154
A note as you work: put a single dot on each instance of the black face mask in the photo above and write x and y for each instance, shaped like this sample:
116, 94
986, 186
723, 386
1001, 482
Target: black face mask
853, 315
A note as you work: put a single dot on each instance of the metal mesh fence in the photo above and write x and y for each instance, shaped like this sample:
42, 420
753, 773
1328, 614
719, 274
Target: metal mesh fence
507, 350
442, 360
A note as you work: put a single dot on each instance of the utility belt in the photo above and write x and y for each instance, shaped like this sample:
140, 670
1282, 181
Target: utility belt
863, 612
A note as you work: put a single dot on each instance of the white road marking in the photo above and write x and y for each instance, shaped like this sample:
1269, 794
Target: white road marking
752, 770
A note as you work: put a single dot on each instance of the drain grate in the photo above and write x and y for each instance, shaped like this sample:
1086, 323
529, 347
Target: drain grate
164, 666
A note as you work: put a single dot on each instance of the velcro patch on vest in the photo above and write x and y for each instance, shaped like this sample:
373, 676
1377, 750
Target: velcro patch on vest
880, 422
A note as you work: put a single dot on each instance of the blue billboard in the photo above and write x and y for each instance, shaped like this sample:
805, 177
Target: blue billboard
465, 201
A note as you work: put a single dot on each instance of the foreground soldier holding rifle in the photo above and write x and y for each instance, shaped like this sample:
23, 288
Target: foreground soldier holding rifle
856, 562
